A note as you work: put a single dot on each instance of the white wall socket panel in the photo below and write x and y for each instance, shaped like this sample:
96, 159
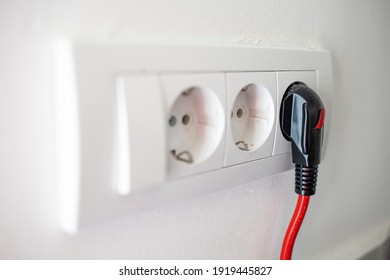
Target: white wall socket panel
139, 127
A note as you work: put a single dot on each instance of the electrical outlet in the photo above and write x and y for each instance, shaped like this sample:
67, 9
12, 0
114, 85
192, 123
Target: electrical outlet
139, 127
195, 122
251, 116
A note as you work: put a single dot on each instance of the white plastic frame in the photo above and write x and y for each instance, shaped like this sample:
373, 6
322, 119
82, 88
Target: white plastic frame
85, 85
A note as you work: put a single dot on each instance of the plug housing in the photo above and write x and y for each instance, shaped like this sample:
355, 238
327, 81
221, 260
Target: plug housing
302, 116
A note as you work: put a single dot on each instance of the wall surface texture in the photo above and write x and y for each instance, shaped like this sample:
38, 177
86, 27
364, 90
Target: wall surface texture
350, 213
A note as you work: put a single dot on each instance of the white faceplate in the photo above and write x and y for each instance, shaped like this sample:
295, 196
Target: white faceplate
117, 143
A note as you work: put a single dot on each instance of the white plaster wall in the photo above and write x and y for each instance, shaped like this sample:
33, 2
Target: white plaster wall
349, 215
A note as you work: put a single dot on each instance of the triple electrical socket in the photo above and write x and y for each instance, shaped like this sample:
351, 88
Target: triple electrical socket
144, 126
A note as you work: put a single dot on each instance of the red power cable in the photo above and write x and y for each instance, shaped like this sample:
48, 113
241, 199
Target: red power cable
293, 228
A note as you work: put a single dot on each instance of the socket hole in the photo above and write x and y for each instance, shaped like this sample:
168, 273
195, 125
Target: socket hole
240, 113
172, 121
186, 119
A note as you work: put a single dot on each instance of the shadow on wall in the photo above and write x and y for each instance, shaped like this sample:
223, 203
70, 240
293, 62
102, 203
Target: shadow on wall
382, 252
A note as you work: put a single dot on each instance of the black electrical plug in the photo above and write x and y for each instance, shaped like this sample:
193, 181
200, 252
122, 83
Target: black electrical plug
302, 116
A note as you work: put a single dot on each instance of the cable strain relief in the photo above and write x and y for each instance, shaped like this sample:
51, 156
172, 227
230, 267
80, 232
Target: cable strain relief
305, 179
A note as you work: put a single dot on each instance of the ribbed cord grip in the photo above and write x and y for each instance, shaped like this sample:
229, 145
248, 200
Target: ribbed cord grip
305, 179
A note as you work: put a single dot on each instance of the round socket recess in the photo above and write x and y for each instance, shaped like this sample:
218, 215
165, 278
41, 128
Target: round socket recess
252, 117
195, 125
